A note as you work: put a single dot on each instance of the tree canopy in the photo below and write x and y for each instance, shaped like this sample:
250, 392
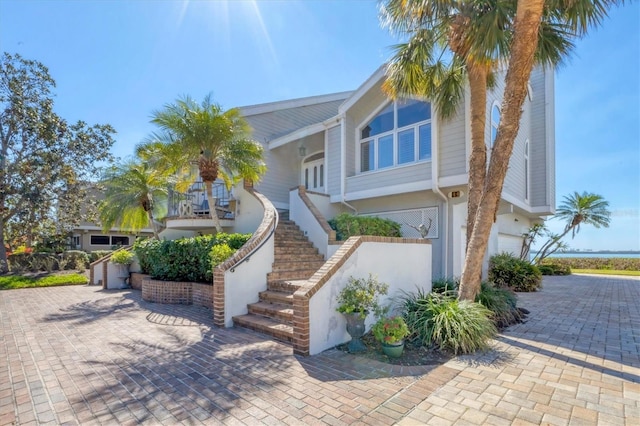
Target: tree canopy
45, 162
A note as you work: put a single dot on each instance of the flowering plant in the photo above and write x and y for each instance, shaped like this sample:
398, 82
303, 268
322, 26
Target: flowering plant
390, 330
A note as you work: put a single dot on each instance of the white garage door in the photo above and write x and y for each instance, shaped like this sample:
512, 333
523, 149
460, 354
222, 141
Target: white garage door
509, 244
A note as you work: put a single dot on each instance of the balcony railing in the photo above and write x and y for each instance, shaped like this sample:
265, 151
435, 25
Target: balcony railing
194, 204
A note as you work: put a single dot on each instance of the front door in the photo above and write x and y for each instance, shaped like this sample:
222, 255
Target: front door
313, 172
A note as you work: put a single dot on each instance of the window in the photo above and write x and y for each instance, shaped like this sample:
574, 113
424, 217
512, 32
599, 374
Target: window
99, 240
495, 122
399, 134
75, 242
119, 241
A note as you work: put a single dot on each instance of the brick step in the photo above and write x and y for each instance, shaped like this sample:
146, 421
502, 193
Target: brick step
295, 249
277, 297
285, 286
301, 257
276, 311
265, 325
291, 238
302, 274
296, 266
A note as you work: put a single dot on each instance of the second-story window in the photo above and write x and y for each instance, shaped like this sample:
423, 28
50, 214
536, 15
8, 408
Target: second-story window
399, 134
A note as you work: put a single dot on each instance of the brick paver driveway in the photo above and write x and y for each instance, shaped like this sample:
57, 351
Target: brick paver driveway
82, 355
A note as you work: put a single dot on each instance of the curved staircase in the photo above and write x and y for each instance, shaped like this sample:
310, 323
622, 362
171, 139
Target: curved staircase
295, 260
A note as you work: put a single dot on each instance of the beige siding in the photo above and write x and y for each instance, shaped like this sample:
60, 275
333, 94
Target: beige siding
333, 163
282, 174
350, 146
453, 154
394, 176
272, 125
538, 156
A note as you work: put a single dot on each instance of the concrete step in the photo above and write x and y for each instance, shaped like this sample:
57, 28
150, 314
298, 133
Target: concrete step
265, 325
276, 311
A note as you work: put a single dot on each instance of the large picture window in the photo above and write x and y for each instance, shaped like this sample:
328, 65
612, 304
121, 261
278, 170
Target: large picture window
399, 134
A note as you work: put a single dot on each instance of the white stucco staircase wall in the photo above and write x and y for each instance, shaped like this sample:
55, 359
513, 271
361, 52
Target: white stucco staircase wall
404, 266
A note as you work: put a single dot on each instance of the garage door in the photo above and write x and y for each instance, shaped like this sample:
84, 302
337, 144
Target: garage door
509, 244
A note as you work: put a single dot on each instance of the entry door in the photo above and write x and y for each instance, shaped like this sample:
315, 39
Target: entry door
313, 172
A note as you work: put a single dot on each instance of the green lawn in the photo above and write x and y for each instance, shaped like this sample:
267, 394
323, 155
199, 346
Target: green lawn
605, 272
18, 281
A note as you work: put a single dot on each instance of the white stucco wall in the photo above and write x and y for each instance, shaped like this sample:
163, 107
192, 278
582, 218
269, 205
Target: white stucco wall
307, 222
242, 286
249, 211
405, 267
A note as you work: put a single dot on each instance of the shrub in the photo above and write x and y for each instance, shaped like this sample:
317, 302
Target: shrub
604, 263
74, 259
33, 262
554, 269
122, 257
445, 285
98, 254
360, 296
502, 304
445, 322
185, 259
507, 271
347, 225
220, 253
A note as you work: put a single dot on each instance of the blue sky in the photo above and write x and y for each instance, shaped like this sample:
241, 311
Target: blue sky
117, 61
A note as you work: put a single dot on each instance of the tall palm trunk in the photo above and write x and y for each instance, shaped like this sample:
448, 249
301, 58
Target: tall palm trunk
212, 207
525, 41
478, 158
4, 263
153, 224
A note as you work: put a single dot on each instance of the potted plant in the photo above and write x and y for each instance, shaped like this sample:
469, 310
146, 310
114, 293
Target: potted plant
356, 300
122, 258
390, 332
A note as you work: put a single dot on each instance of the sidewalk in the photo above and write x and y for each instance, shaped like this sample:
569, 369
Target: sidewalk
82, 355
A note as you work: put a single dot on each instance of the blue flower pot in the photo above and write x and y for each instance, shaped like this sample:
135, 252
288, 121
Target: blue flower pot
393, 350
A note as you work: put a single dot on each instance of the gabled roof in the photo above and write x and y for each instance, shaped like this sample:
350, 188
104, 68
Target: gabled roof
250, 110
363, 89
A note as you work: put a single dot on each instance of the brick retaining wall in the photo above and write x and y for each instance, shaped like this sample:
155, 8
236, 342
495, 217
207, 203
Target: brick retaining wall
177, 293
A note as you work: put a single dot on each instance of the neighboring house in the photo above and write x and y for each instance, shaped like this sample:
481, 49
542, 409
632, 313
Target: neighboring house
89, 236
399, 160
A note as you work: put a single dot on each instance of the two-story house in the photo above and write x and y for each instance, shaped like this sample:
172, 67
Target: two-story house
400, 160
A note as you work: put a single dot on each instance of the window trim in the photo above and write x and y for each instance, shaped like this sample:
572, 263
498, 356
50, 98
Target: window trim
394, 133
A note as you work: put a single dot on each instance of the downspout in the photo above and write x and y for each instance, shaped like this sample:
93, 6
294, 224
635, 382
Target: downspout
343, 161
435, 150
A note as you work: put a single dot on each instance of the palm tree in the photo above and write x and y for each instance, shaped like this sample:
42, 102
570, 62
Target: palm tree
478, 36
219, 141
135, 194
576, 209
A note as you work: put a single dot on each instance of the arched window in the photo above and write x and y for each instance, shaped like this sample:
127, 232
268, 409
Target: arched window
495, 122
399, 134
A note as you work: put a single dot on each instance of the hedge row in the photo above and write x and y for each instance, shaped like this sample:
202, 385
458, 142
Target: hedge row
33, 262
185, 259
614, 263
347, 225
